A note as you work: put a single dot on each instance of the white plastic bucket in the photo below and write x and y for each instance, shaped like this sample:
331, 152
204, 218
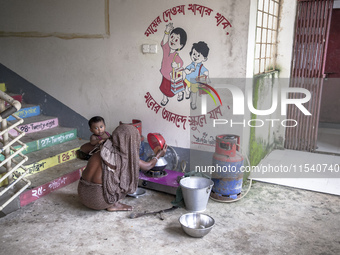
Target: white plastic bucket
196, 192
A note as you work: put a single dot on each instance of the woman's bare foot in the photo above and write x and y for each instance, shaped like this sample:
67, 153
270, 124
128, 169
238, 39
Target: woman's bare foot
119, 207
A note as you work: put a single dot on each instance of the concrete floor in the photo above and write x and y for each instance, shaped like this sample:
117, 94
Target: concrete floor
310, 171
270, 219
327, 157
328, 140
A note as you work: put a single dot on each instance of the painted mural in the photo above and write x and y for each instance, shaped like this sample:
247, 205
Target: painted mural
185, 81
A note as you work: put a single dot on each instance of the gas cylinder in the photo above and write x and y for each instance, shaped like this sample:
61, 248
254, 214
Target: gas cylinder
227, 162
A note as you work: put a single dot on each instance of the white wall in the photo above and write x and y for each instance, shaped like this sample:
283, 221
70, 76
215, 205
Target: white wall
274, 134
105, 72
286, 37
110, 76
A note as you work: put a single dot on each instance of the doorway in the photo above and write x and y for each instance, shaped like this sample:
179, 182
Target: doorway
310, 47
329, 121
303, 143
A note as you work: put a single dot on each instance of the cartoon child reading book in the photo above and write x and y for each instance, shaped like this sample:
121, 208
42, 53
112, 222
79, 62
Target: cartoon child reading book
196, 72
172, 65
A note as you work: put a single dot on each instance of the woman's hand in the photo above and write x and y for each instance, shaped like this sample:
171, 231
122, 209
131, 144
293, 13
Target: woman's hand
162, 152
143, 165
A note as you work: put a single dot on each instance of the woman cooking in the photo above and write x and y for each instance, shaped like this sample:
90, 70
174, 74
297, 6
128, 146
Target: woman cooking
113, 172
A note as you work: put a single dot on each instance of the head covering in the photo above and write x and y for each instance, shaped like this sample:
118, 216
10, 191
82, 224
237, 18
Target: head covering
120, 156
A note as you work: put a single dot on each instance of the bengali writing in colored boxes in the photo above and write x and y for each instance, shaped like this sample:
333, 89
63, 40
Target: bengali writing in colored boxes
46, 142
50, 141
36, 127
26, 112
56, 139
37, 192
49, 162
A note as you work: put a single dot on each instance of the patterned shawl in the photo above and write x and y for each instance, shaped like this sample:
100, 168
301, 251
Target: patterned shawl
122, 153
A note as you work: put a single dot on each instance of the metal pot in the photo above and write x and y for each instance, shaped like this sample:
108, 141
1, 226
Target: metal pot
160, 165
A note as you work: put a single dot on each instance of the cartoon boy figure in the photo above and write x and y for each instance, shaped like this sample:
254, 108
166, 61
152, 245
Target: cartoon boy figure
173, 41
196, 71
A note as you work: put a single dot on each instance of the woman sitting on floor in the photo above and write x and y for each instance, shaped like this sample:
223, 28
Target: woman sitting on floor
113, 172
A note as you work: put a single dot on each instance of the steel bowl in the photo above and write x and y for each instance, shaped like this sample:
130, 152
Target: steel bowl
196, 224
160, 165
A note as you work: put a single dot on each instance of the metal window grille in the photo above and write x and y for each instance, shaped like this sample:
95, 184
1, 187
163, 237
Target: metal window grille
312, 28
8, 165
266, 35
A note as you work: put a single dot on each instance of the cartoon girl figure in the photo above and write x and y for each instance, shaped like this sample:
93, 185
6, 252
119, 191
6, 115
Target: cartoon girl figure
173, 41
196, 71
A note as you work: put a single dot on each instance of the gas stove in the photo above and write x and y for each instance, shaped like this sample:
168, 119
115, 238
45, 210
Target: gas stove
165, 181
